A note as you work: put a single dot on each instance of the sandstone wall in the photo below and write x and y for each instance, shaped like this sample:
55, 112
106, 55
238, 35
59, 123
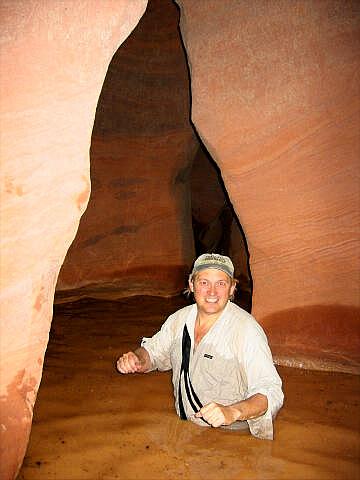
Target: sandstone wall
275, 88
136, 235
54, 56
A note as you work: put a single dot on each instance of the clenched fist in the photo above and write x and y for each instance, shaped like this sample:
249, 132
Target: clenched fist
216, 414
134, 362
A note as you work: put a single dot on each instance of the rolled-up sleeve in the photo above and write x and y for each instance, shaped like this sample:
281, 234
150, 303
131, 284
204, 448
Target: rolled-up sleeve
158, 346
263, 378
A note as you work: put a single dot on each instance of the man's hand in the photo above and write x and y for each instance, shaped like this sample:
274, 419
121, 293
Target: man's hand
129, 363
134, 362
217, 414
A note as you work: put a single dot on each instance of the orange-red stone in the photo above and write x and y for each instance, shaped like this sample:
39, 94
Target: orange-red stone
136, 236
54, 57
275, 89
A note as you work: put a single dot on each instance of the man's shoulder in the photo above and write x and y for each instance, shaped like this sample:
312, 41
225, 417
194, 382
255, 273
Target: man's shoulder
243, 320
238, 312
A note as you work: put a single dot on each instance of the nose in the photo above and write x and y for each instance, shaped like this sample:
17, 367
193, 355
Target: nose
212, 289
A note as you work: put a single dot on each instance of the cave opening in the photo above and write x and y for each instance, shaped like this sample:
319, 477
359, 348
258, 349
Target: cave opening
215, 224
150, 174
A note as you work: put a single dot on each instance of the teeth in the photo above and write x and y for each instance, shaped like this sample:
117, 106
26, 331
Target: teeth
211, 300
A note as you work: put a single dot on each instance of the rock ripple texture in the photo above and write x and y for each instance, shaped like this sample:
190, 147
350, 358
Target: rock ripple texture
55, 61
275, 88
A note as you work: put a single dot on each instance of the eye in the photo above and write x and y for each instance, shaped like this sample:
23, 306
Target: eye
222, 283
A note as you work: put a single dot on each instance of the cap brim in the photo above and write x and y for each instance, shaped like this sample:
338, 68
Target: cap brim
215, 267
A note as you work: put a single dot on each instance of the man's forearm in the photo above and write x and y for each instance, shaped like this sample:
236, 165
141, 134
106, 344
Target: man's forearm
216, 414
252, 407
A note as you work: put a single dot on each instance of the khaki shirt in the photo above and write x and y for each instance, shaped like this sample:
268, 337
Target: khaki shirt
231, 363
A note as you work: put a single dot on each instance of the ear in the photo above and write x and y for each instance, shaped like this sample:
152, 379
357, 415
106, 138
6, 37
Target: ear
232, 289
191, 286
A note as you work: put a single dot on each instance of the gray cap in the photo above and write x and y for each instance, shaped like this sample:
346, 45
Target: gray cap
214, 260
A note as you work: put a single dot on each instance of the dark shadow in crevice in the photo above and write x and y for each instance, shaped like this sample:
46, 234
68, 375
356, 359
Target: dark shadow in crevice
216, 226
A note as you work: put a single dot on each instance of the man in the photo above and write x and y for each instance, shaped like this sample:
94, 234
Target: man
222, 369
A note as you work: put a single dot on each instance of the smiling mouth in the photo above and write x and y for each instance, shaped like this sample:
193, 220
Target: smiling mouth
211, 300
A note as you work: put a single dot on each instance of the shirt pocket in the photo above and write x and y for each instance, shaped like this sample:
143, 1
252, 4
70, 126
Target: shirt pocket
221, 380
214, 370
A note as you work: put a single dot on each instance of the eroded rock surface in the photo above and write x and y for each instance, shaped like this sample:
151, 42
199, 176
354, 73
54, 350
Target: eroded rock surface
275, 88
53, 63
136, 235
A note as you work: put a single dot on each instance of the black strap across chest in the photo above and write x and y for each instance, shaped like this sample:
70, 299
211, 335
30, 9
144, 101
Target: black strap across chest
190, 392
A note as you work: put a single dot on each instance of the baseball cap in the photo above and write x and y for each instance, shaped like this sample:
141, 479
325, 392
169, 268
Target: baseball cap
214, 260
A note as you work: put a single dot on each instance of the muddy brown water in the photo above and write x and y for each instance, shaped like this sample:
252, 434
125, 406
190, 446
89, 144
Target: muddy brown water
92, 423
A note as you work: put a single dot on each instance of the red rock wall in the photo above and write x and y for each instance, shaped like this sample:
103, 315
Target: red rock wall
136, 235
275, 88
54, 57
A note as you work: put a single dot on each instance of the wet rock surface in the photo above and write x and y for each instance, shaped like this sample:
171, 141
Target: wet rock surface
92, 423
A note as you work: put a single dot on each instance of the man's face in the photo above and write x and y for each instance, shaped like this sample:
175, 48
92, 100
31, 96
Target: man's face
212, 289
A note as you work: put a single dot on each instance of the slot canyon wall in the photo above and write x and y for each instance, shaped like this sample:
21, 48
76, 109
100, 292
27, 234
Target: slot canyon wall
149, 175
53, 64
136, 234
275, 89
